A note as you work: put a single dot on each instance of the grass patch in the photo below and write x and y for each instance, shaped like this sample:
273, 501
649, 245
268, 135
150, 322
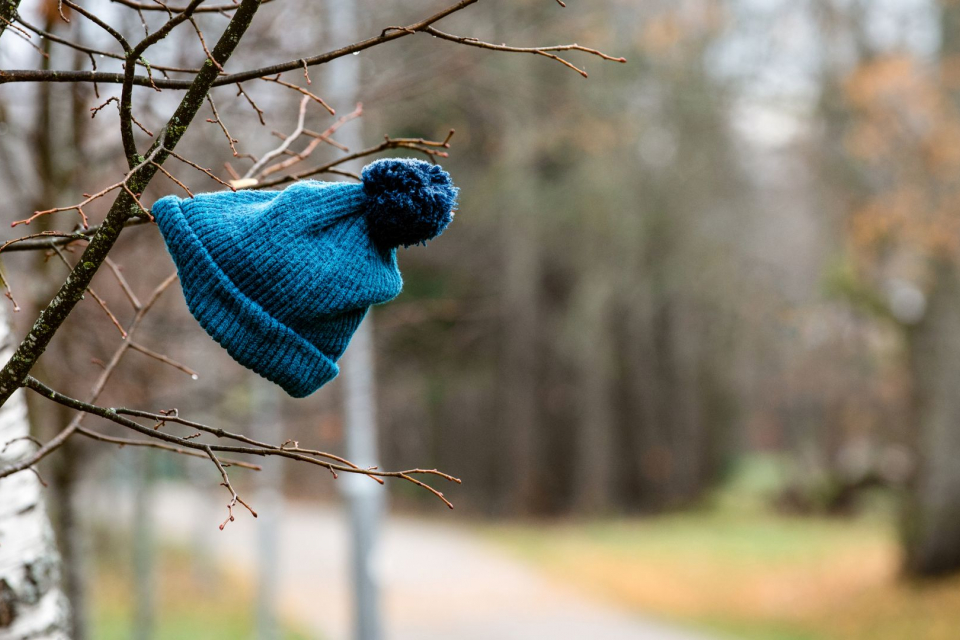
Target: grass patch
186, 607
745, 573
754, 576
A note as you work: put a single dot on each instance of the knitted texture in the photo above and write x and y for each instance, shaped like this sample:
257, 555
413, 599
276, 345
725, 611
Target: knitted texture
282, 279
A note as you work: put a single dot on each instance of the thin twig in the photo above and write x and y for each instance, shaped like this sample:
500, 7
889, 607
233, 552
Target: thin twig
100, 301
130, 442
219, 8
100, 23
540, 51
203, 44
115, 416
216, 118
124, 285
174, 417
199, 168
317, 139
234, 497
310, 95
428, 147
39, 477
11, 244
170, 175
164, 359
241, 92
90, 198
387, 35
106, 309
252, 171
28, 438
58, 440
36, 241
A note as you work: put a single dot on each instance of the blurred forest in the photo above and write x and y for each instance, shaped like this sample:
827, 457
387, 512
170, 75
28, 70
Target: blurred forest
743, 241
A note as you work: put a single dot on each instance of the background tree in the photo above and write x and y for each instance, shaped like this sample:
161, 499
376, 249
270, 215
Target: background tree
893, 116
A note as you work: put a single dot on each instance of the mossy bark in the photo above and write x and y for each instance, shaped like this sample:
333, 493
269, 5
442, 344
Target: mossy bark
8, 9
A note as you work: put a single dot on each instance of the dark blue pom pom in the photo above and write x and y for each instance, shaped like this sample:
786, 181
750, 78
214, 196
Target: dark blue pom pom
409, 201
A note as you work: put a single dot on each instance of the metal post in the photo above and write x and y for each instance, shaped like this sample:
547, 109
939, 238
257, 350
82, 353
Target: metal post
365, 497
144, 549
264, 404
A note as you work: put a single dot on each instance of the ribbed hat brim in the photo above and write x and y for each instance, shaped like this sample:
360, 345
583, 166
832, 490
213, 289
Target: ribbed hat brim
249, 334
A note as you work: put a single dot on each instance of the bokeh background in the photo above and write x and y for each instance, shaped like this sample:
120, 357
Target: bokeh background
692, 342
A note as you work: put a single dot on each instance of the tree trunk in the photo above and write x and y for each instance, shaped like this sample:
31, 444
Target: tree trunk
62, 115
647, 432
31, 602
931, 517
595, 463
519, 377
931, 524
520, 418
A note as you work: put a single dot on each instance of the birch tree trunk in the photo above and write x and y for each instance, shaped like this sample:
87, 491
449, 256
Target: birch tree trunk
31, 602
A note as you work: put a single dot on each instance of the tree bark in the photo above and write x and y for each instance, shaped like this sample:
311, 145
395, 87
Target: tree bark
931, 524
931, 517
8, 9
32, 604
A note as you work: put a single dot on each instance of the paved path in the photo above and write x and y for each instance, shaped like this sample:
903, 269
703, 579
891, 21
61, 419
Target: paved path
440, 581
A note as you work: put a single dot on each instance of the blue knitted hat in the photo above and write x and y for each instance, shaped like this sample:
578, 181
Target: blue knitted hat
282, 279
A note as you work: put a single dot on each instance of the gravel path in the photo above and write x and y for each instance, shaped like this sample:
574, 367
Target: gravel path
440, 581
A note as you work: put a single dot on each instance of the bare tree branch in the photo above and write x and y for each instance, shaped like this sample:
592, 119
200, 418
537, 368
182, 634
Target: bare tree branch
37, 241
541, 51
95, 19
428, 147
206, 441
164, 359
160, 6
252, 171
57, 441
114, 415
392, 33
130, 442
16, 370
